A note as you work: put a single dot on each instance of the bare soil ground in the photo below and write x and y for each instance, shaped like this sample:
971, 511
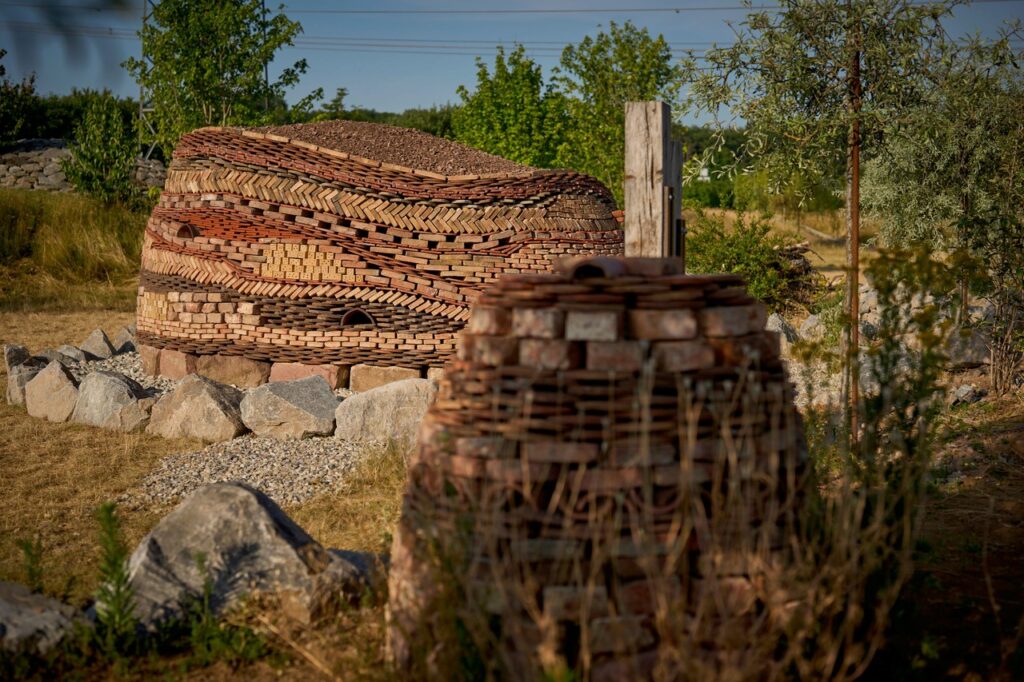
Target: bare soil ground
962, 616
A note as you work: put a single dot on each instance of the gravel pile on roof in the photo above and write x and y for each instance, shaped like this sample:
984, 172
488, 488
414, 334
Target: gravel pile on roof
400, 146
289, 471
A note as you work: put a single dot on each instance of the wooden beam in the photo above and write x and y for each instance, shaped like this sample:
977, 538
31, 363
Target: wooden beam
653, 166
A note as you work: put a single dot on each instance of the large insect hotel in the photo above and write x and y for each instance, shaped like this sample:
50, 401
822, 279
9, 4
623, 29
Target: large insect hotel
313, 248
604, 480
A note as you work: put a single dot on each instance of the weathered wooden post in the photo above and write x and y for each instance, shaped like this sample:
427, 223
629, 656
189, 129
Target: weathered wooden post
654, 225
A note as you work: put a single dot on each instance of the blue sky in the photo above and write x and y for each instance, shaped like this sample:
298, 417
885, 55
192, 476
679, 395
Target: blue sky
387, 60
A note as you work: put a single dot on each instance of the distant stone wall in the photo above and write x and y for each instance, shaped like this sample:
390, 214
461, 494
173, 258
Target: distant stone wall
36, 164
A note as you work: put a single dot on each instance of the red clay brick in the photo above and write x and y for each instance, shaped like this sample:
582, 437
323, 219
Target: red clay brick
549, 354
682, 356
538, 323
619, 356
662, 324
593, 325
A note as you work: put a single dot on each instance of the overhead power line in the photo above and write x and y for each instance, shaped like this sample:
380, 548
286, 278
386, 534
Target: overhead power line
499, 10
427, 46
421, 46
570, 10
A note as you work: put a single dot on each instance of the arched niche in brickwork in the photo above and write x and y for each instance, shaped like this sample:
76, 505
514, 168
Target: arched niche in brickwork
186, 232
355, 316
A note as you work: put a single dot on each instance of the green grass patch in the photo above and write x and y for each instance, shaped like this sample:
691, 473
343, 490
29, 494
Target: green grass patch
63, 251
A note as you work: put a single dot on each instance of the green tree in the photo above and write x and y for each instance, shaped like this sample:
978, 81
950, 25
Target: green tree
203, 64
17, 103
956, 165
953, 179
815, 81
511, 113
598, 76
335, 109
436, 120
102, 161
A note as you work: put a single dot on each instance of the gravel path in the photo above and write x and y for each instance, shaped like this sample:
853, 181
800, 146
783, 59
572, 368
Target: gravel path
289, 471
400, 146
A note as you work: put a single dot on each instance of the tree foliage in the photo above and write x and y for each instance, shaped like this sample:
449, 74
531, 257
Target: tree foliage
786, 76
102, 161
203, 63
16, 104
748, 248
952, 170
511, 112
335, 109
598, 76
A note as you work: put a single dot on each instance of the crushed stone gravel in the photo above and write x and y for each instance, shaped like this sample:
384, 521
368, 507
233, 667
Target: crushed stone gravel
400, 146
288, 471
130, 365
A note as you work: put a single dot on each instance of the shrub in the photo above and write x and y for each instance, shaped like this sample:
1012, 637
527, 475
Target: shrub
102, 162
17, 101
713, 193
748, 249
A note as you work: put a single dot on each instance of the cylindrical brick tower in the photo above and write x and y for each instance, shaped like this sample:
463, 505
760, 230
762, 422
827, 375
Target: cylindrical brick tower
611, 464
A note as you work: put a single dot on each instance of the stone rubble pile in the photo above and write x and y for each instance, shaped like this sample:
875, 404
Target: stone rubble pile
105, 383
36, 164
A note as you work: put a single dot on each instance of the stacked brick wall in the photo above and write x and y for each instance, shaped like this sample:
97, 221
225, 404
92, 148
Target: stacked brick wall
283, 251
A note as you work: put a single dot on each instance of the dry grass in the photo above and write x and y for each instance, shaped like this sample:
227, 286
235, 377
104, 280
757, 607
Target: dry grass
24, 288
966, 601
363, 513
67, 252
40, 330
55, 476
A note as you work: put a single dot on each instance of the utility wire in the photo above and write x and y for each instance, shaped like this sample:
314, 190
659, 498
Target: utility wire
503, 10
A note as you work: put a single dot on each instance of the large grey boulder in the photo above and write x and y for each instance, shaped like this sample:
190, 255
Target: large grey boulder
73, 353
14, 356
868, 300
52, 393
112, 401
123, 341
98, 345
198, 408
390, 412
32, 622
964, 394
291, 409
967, 348
236, 538
777, 323
17, 378
45, 357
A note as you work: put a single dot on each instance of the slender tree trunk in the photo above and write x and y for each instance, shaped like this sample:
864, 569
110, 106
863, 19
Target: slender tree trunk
852, 339
961, 314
